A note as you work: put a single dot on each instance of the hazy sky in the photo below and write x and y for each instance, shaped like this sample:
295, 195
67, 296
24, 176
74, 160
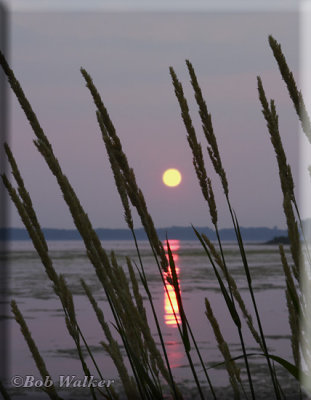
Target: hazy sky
128, 56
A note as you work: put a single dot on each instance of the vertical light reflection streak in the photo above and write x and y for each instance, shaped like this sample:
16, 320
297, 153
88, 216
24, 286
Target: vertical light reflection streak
171, 306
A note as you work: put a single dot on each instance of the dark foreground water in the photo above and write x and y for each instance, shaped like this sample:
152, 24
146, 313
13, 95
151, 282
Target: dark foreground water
30, 287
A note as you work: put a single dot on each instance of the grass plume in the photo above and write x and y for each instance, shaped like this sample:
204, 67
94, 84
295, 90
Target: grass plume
50, 390
294, 93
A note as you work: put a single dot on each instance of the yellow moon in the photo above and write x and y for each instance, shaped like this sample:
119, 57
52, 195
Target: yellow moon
171, 177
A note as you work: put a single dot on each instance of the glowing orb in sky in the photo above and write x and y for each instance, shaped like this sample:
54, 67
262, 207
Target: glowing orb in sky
171, 177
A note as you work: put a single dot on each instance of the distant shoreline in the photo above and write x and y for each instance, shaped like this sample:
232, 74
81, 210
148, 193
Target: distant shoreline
258, 234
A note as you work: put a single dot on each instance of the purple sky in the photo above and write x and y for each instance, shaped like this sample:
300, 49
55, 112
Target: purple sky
128, 56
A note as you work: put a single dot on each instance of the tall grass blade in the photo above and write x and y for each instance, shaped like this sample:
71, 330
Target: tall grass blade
234, 315
4, 392
291, 368
174, 281
249, 280
113, 347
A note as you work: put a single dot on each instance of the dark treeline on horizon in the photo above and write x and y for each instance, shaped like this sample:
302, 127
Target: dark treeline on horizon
260, 234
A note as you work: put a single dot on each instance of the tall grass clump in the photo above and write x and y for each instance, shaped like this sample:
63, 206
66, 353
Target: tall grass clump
143, 367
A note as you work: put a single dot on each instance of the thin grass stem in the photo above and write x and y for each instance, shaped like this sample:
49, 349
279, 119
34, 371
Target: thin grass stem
173, 384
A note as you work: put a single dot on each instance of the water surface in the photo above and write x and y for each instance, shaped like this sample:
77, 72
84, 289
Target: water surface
32, 290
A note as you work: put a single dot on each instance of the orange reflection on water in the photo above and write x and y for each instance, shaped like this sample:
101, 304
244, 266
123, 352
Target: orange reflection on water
170, 301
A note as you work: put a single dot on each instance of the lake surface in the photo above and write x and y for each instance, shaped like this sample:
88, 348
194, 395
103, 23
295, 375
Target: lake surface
30, 287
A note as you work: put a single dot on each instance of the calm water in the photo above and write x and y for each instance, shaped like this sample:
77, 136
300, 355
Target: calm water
30, 287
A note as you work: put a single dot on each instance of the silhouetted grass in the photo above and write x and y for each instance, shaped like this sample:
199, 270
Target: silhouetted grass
150, 374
